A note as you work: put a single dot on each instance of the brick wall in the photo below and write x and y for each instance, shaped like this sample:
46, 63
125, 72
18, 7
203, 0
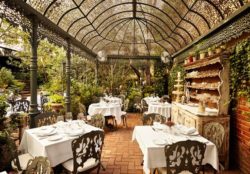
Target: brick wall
240, 139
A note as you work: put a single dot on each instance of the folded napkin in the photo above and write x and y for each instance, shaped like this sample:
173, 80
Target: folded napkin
189, 130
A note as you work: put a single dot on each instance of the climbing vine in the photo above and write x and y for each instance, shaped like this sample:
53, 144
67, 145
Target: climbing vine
240, 70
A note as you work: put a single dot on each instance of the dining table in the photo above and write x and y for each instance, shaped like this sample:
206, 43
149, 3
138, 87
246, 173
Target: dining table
151, 99
54, 141
106, 109
153, 139
163, 109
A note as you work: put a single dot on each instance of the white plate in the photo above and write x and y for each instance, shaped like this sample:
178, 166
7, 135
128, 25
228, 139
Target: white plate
192, 134
159, 141
45, 127
55, 137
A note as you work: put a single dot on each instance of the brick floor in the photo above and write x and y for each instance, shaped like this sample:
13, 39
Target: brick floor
121, 155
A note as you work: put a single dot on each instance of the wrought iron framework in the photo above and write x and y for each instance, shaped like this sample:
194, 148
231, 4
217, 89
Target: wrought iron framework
127, 27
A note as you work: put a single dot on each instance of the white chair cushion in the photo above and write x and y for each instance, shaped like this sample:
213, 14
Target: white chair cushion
124, 113
163, 170
90, 163
23, 159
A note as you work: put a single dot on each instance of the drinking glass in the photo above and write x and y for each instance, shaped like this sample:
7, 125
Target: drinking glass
68, 116
60, 118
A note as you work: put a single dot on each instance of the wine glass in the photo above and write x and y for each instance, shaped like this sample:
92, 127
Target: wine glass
68, 116
60, 118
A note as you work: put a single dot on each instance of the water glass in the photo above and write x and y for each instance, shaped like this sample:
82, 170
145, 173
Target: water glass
68, 116
60, 118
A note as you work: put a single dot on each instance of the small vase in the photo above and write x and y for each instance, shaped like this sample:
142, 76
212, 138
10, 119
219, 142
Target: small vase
210, 53
201, 107
202, 55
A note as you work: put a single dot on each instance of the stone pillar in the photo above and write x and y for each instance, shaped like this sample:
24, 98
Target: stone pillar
33, 112
68, 83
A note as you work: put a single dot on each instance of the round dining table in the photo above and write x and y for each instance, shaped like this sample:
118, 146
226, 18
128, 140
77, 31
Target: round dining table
106, 109
163, 109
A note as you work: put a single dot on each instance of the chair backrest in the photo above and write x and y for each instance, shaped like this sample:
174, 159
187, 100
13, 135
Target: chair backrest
87, 146
214, 132
82, 108
125, 106
44, 99
39, 165
144, 105
148, 119
21, 105
184, 156
97, 120
46, 118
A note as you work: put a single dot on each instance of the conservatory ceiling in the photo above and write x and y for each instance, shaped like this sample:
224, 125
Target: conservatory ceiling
136, 27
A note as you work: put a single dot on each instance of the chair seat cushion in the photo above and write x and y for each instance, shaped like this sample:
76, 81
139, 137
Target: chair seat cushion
23, 159
90, 163
124, 113
163, 170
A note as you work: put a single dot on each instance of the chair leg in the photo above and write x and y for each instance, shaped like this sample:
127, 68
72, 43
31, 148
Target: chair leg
103, 168
125, 119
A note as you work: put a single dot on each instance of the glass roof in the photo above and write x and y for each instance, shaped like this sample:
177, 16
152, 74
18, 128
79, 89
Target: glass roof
136, 27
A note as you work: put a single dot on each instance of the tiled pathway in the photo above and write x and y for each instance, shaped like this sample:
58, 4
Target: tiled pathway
122, 156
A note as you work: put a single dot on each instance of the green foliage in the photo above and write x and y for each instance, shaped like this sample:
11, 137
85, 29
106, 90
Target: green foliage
3, 107
56, 98
160, 78
173, 76
240, 70
7, 80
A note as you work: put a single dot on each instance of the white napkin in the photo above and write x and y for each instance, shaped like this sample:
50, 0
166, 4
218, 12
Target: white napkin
189, 130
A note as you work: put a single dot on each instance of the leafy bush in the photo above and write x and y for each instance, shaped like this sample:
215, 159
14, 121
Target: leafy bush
7, 80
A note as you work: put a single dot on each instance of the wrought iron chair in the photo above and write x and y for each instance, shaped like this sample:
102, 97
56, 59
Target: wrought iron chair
124, 113
97, 120
44, 99
148, 119
10, 154
21, 105
46, 118
87, 151
82, 109
183, 156
39, 165
144, 105
215, 133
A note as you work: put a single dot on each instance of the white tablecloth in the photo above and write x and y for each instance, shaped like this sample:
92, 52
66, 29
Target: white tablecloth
106, 109
57, 151
160, 108
154, 155
151, 99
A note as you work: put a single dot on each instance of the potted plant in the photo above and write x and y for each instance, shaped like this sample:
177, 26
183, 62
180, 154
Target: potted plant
5, 143
210, 51
202, 54
56, 102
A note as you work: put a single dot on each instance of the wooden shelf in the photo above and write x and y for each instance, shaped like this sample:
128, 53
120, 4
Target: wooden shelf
205, 62
205, 88
203, 76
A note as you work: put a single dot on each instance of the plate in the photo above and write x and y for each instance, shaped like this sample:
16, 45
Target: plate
55, 137
192, 134
159, 141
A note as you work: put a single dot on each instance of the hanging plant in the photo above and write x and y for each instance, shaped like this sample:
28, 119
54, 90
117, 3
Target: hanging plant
240, 70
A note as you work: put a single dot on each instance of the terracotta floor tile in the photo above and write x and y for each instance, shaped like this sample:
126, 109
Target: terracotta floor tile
121, 155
